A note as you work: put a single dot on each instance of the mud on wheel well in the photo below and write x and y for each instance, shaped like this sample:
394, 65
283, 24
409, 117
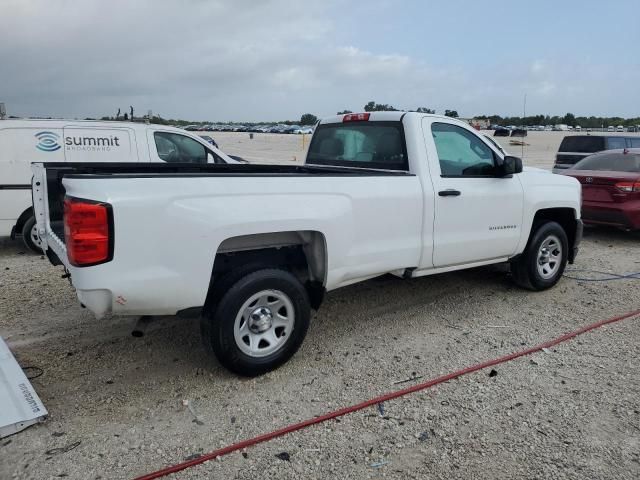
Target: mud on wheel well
566, 217
303, 253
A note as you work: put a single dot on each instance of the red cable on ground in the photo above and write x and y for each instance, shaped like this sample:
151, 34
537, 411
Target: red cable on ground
382, 398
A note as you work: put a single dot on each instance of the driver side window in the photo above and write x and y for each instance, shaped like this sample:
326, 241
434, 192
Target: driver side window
176, 148
461, 153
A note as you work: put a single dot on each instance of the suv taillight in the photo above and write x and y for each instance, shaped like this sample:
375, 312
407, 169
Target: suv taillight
628, 187
88, 231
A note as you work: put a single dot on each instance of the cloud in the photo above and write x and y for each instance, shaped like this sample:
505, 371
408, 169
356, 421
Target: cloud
274, 59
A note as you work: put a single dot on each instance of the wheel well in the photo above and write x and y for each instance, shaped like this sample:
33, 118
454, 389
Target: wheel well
566, 217
303, 253
23, 218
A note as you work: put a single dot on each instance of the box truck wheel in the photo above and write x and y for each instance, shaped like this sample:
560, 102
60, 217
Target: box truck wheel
30, 235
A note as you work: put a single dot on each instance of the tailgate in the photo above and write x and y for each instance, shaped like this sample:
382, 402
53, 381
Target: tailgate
48, 197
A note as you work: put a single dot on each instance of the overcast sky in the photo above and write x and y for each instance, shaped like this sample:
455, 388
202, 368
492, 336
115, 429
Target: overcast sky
274, 59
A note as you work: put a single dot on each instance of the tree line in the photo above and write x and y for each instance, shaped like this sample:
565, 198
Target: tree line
372, 106
568, 119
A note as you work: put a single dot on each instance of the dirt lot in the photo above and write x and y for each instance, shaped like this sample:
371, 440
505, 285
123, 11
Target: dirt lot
539, 152
571, 413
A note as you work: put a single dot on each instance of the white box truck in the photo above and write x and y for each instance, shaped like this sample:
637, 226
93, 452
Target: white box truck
26, 141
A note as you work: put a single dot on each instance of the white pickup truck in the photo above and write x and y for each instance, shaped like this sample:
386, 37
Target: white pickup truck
252, 248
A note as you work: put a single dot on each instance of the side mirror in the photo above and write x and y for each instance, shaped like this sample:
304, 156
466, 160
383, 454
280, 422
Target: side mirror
509, 166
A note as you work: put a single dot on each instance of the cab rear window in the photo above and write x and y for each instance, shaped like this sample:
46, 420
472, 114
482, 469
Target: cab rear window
379, 145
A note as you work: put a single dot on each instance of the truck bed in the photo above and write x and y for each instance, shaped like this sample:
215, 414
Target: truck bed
56, 171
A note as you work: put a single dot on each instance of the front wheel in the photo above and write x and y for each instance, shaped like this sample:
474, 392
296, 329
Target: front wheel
258, 323
543, 261
30, 235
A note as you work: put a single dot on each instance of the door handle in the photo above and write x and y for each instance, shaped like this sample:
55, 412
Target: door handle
450, 192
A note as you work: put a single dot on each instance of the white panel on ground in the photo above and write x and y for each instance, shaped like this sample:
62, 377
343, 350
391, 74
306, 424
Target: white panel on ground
20, 405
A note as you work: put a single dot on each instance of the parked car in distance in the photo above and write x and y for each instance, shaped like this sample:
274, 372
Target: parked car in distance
304, 130
620, 129
574, 148
501, 132
610, 187
253, 248
209, 140
611, 129
495, 144
25, 141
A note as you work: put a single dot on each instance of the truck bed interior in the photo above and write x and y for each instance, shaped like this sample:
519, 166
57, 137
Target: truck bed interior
56, 171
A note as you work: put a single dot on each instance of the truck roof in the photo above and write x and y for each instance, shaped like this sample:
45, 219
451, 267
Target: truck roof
61, 123
394, 116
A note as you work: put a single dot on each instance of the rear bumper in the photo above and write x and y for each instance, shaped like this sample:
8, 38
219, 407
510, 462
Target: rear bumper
623, 215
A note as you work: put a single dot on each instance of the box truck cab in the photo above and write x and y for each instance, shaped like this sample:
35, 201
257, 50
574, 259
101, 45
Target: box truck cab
26, 141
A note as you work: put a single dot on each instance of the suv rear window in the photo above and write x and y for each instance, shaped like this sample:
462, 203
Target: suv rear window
586, 144
359, 144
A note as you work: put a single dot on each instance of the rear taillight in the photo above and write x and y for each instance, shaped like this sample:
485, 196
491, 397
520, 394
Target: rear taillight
628, 187
88, 232
356, 117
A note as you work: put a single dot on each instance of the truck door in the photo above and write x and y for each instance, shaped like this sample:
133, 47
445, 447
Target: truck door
478, 216
172, 147
90, 144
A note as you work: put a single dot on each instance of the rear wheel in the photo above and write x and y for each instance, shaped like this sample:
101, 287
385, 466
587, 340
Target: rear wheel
30, 235
542, 263
258, 323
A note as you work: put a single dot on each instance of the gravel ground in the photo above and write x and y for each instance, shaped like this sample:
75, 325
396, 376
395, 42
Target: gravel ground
571, 413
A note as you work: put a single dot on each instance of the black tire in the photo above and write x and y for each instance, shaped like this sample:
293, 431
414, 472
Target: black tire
219, 319
28, 225
525, 269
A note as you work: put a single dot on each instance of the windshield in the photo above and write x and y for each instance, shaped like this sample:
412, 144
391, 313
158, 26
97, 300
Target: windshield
359, 144
615, 162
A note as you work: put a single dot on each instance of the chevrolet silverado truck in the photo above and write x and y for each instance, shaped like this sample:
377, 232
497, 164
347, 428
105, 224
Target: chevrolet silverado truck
252, 249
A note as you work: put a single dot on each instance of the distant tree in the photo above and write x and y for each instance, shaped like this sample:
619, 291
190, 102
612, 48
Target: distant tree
379, 107
451, 113
344, 112
569, 119
308, 119
370, 107
425, 110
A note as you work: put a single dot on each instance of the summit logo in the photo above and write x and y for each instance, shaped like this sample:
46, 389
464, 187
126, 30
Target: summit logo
48, 141
93, 144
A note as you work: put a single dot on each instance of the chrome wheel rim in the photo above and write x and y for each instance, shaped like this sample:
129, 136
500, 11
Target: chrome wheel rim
35, 238
264, 323
549, 257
